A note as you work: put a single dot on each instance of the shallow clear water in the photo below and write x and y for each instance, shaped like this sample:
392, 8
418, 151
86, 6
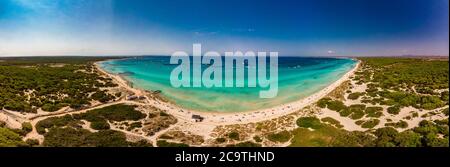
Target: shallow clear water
298, 77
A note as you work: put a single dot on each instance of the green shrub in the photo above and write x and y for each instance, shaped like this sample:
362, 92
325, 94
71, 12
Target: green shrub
65, 137
102, 96
52, 107
221, 140
257, 139
107, 138
134, 125
373, 109
233, 135
27, 127
393, 110
328, 136
9, 138
163, 143
322, 103
415, 114
370, 123
441, 122
55, 122
408, 139
118, 112
357, 107
345, 112
100, 125
445, 111
20, 132
71, 137
355, 95
431, 102
141, 143
400, 124
389, 102
374, 112
336, 105
358, 114
385, 137
164, 136
309, 122
356, 111
245, 144
32, 142
282, 136
359, 122
332, 121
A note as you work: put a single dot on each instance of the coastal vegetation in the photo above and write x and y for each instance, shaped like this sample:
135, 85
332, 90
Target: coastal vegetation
8, 138
383, 87
332, 121
385, 104
403, 82
427, 134
233, 135
394, 73
98, 118
72, 137
400, 124
326, 136
282, 136
245, 144
68, 131
39, 60
309, 122
392, 84
29, 84
370, 123
101, 121
164, 143
14, 137
387, 113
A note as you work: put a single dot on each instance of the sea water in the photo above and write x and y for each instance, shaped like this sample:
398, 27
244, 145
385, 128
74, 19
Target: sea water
298, 77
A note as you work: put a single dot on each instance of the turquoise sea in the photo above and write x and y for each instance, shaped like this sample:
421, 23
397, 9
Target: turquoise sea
298, 77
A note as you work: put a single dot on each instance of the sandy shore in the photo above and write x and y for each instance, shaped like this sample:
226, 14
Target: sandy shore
231, 118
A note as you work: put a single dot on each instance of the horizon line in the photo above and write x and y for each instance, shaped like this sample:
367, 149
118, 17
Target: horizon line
143, 55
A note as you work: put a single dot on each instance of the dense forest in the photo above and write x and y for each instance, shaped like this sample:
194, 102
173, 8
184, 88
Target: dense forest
394, 73
403, 82
27, 84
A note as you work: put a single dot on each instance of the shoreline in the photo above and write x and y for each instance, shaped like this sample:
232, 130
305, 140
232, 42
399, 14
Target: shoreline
223, 118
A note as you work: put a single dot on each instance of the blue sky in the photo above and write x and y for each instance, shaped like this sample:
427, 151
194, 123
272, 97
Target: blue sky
293, 28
